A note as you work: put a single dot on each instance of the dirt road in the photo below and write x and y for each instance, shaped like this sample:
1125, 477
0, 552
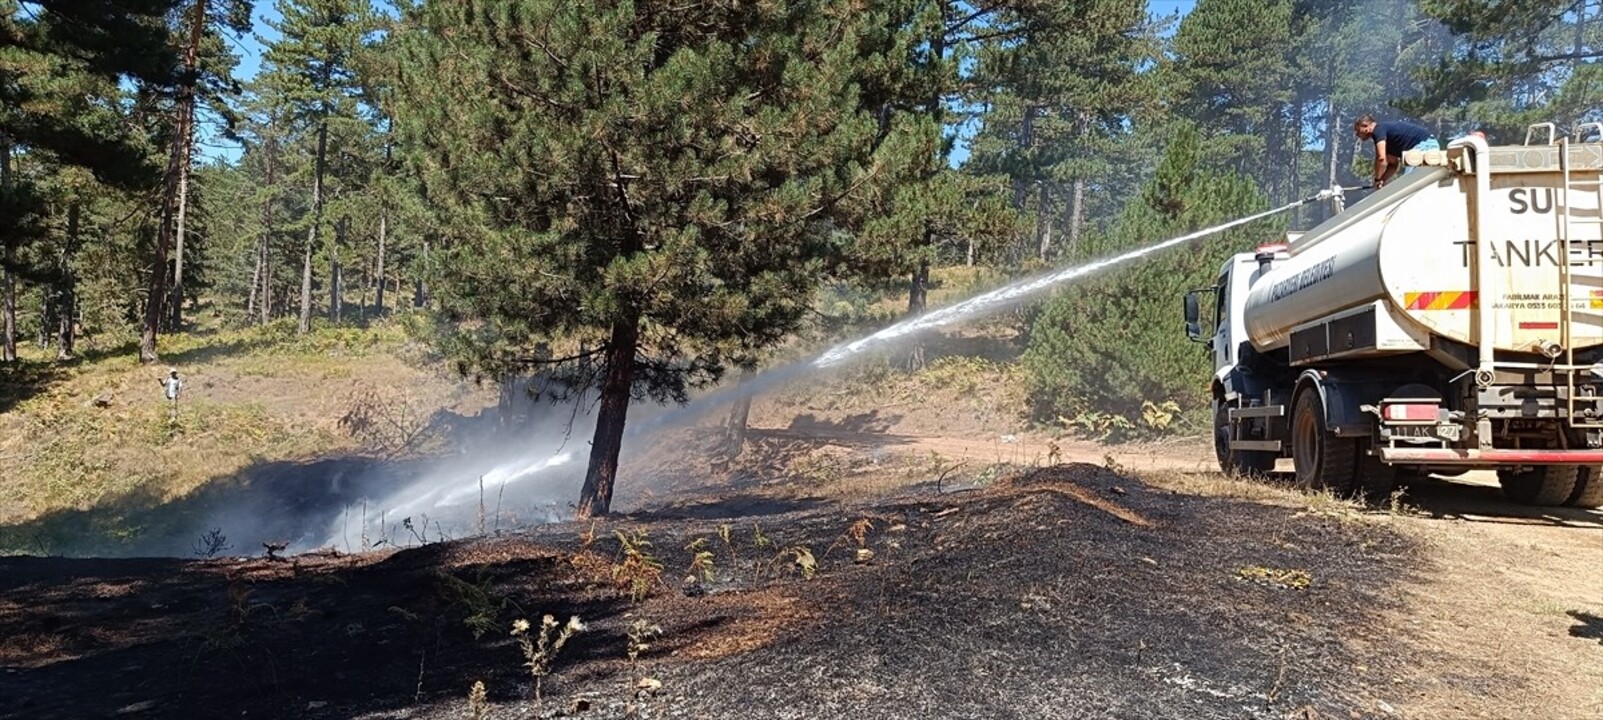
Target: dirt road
1511, 602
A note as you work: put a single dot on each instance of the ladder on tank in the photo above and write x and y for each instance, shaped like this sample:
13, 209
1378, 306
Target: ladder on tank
1591, 182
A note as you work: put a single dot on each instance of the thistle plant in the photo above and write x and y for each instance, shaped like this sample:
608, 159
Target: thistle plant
540, 652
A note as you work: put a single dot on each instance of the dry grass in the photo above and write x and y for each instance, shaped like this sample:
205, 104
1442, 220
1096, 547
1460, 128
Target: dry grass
760, 618
1270, 492
98, 432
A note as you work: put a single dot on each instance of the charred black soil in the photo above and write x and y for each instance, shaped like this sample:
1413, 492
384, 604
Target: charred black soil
1066, 592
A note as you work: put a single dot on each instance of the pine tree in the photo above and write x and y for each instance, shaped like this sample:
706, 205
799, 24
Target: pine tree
61, 105
1230, 74
1512, 64
203, 72
209, 61
312, 68
1111, 344
646, 186
1059, 106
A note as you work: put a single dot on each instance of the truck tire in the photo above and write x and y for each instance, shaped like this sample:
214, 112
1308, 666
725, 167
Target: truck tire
1323, 461
1249, 463
1543, 485
1588, 492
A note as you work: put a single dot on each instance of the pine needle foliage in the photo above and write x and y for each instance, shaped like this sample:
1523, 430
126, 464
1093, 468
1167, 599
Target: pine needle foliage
1113, 345
648, 182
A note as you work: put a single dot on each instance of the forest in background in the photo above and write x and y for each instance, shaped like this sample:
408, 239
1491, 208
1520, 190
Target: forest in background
633, 198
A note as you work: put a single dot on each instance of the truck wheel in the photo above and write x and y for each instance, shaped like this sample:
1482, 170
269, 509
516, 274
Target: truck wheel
1322, 459
1544, 485
1588, 492
1251, 463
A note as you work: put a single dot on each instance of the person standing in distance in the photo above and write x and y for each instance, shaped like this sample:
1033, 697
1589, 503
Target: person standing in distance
1392, 138
171, 385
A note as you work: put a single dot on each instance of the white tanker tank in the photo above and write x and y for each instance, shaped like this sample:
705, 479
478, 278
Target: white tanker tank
1452, 320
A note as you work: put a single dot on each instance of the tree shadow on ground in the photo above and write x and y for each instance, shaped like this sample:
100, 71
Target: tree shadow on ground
267, 502
1458, 499
866, 422
1587, 625
26, 379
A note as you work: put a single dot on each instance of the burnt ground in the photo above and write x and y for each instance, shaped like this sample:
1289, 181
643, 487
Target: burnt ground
1065, 592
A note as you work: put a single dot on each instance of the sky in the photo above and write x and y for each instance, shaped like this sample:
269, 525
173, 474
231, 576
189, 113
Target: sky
250, 60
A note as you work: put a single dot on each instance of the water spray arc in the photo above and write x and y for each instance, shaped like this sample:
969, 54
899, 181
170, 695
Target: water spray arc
459, 491
1004, 296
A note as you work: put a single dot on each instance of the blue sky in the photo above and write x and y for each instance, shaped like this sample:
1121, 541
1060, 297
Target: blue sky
250, 60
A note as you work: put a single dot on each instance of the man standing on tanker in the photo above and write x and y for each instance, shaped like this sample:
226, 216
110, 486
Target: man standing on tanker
1392, 138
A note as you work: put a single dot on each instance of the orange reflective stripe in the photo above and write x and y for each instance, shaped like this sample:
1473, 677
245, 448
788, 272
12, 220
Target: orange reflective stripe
1449, 300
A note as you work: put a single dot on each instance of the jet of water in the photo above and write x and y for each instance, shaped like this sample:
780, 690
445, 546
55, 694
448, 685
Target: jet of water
441, 496
1007, 295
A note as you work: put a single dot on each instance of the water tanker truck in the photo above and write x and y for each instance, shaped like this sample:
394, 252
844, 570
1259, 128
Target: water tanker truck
1450, 321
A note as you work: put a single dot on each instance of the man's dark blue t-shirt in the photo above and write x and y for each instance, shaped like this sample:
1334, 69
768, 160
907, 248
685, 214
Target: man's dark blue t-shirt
1399, 136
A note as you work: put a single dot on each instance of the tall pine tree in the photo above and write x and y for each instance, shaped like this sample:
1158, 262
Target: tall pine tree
647, 181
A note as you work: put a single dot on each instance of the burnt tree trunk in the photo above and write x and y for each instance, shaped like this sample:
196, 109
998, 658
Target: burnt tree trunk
311, 232
617, 387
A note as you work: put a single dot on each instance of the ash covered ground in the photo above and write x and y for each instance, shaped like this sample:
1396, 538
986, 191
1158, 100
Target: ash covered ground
1071, 591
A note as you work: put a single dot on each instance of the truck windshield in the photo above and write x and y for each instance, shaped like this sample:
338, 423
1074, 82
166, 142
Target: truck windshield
1221, 298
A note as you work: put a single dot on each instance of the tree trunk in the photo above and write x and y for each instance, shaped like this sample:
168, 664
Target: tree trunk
1332, 138
1294, 168
47, 308
336, 275
378, 299
305, 323
8, 305
1076, 218
918, 289
311, 232
255, 283
1576, 50
1044, 218
739, 416
266, 251
8, 282
171, 190
420, 294
616, 390
67, 296
188, 143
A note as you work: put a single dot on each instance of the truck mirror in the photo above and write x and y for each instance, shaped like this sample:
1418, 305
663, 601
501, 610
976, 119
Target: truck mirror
1193, 314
